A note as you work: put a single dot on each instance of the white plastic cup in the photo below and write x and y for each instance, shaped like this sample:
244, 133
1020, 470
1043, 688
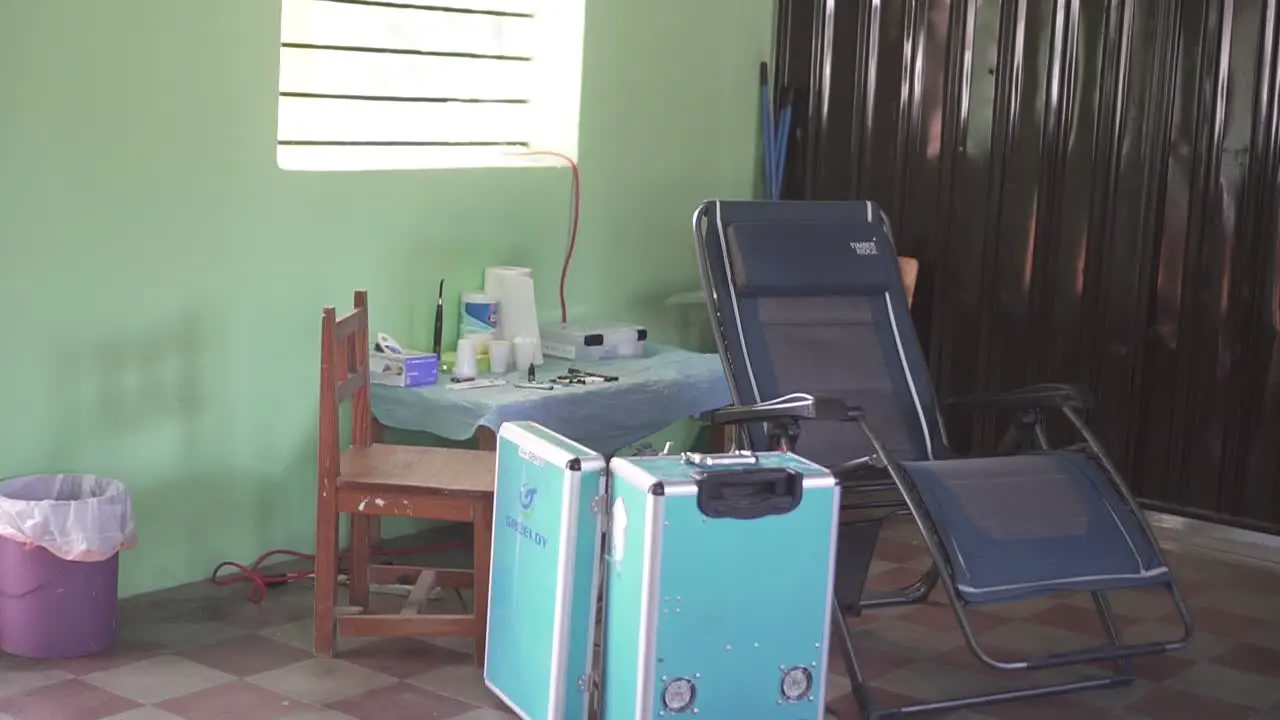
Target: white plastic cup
525, 352
499, 356
464, 365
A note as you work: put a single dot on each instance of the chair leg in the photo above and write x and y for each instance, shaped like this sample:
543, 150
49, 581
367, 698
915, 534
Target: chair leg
482, 542
869, 710
1103, 606
916, 592
324, 631
358, 580
844, 641
855, 548
375, 534
375, 523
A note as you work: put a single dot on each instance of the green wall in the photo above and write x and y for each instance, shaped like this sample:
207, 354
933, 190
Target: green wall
161, 280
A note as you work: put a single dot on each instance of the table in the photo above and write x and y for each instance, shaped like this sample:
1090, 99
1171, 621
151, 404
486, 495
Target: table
666, 385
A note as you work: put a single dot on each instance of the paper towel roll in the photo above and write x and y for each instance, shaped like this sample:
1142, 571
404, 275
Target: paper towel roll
517, 307
493, 271
495, 278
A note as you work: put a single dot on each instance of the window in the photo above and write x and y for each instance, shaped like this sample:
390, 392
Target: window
379, 85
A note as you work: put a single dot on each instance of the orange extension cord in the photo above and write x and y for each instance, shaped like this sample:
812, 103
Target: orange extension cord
262, 582
575, 207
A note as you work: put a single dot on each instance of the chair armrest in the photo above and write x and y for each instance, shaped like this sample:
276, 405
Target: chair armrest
796, 406
1046, 396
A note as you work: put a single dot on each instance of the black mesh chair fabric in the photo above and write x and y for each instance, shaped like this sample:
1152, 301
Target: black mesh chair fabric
807, 298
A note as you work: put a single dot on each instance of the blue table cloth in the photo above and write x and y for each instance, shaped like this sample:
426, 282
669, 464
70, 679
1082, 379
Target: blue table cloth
652, 392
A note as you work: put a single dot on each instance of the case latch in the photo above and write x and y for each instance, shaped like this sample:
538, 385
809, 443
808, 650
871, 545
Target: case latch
598, 504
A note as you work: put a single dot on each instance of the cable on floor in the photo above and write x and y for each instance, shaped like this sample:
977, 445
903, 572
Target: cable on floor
260, 582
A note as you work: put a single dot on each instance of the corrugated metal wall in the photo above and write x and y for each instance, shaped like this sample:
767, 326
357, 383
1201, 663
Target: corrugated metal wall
1093, 188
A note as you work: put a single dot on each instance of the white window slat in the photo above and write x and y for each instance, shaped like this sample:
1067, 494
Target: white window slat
331, 158
513, 7
330, 120
317, 22
337, 72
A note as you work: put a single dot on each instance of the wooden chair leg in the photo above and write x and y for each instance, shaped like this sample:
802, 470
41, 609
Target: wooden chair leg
324, 632
358, 579
375, 523
482, 541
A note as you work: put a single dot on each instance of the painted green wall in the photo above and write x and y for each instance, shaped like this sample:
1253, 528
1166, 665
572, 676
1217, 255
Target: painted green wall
161, 280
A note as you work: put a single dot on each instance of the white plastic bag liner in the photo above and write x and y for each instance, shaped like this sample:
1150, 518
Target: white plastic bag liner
85, 518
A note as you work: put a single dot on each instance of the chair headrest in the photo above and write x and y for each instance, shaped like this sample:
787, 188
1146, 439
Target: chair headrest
811, 258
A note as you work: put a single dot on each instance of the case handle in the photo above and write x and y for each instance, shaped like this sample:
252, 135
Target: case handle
709, 461
748, 493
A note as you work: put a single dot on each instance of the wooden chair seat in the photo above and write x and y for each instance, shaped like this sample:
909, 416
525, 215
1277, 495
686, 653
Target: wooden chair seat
432, 470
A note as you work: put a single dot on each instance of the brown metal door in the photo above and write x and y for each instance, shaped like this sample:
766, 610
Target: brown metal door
1093, 188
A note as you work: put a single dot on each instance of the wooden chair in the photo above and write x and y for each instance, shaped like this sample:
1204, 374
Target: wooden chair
371, 479
909, 269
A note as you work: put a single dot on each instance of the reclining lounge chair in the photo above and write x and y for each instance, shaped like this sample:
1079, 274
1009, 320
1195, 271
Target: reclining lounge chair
822, 357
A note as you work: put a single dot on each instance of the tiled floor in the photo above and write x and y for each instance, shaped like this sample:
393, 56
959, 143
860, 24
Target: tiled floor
201, 653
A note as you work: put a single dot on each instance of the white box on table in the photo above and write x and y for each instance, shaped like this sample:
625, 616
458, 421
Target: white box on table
411, 369
591, 340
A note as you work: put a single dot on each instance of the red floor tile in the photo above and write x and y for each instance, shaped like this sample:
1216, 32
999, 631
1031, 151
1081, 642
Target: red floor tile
401, 700
1166, 703
1158, 668
898, 551
893, 577
1069, 616
874, 663
939, 615
68, 700
1225, 624
126, 651
246, 655
404, 657
238, 700
1250, 658
962, 657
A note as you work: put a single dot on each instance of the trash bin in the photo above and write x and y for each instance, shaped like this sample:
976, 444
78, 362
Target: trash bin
60, 539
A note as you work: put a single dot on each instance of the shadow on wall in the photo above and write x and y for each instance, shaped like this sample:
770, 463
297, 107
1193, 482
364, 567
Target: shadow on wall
146, 393
129, 386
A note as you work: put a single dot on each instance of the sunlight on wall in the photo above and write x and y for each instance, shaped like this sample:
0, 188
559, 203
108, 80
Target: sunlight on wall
368, 87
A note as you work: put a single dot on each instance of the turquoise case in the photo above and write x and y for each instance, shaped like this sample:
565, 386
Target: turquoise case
545, 573
725, 605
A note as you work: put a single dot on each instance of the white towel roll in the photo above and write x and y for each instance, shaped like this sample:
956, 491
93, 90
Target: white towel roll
517, 306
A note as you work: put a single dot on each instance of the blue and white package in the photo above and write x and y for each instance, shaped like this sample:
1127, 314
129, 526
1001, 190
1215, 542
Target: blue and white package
479, 314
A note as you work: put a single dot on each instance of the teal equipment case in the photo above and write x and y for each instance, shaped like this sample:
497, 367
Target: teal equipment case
716, 577
545, 579
718, 587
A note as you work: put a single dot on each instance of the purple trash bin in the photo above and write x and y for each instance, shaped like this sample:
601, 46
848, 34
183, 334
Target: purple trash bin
50, 607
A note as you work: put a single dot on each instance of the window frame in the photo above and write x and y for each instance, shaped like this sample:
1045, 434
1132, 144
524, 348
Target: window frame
553, 101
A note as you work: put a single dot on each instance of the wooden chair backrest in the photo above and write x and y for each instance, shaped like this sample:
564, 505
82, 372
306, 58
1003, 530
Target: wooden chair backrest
909, 269
344, 375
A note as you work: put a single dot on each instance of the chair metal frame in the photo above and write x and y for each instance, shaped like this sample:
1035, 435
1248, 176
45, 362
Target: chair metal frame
1031, 405
917, 591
